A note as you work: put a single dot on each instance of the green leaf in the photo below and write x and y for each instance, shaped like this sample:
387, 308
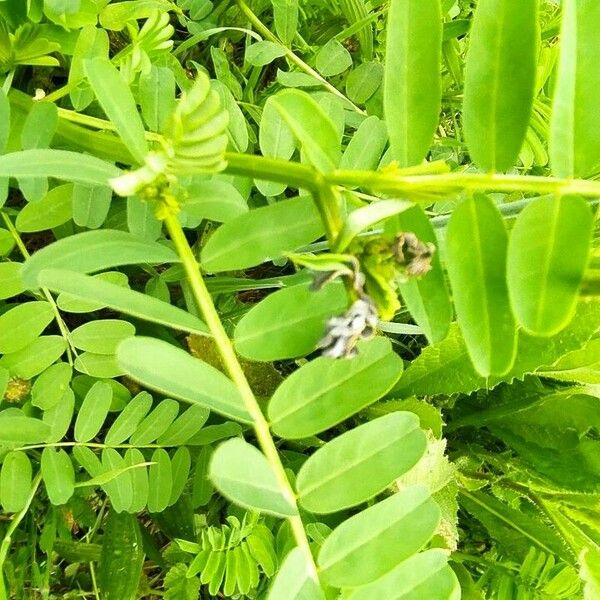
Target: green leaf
500, 80
359, 464
130, 302
371, 543
101, 366
160, 481
118, 104
95, 251
214, 200
4, 120
156, 423
425, 575
51, 211
60, 164
262, 234
242, 474
58, 475
518, 525
23, 324
575, 125
34, 358
15, 429
263, 53
288, 323
364, 81
426, 297
119, 489
91, 42
579, 366
7, 242
39, 126
185, 426
180, 468
202, 487
275, 138
59, 417
141, 219
129, 419
285, 15
326, 391
11, 283
93, 411
122, 558
91, 205
294, 580
15, 481
311, 127
101, 337
548, 254
174, 372
333, 59
476, 246
157, 96
363, 218
116, 16
366, 146
590, 573
445, 367
413, 86
51, 385
138, 475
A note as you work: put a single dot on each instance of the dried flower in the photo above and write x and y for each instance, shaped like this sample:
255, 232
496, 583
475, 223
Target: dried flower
343, 333
414, 254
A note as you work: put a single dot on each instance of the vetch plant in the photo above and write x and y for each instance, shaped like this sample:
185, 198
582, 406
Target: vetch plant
299, 301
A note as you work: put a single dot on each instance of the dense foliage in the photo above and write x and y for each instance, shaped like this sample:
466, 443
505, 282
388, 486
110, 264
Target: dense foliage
299, 299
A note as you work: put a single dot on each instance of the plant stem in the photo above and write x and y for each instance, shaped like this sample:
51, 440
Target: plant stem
294, 174
16, 520
268, 35
456, 182
431, 180
235, 371
62, 326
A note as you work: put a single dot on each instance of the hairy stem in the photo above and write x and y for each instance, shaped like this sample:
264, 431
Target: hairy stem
235, 371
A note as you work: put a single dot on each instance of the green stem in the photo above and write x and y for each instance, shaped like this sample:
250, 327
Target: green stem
6, 542
62, 326
294, 58
235, 371
444, 183
294, 174
327, 199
